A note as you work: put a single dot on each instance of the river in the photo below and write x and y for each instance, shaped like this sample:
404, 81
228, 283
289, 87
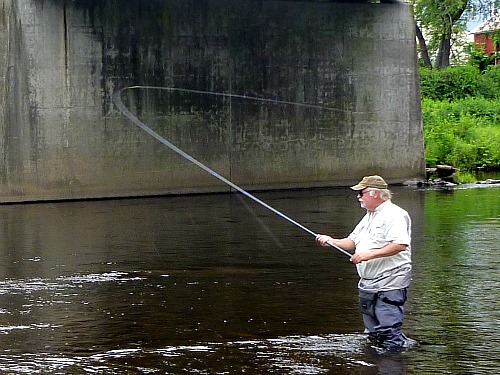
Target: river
217, 284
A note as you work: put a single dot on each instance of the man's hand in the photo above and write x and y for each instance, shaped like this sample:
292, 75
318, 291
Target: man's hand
361, 256
323, 239
344, 243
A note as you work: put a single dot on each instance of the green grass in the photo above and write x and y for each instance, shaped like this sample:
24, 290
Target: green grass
463, 133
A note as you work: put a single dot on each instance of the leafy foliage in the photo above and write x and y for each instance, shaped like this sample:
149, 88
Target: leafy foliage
460, 104
458, 82
439, 24
492, 78
440, 20
464, 133
478, 58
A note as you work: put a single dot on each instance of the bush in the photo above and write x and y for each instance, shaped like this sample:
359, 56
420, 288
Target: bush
459, 82
478, 58
492, 79
451, 83
463, 133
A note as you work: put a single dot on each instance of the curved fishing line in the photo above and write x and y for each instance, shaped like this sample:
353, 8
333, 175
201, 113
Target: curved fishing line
223, 94
123, 109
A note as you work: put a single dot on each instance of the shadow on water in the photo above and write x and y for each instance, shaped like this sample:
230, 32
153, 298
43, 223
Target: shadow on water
217, 284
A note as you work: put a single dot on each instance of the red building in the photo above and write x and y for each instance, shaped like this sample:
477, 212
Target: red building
487, 36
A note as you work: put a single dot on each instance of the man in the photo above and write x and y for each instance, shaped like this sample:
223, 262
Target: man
382, 254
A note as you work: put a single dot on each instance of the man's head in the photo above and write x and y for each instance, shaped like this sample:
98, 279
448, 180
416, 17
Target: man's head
375, 181
372, 192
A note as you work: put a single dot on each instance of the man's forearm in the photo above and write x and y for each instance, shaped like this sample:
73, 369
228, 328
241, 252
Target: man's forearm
344, 243
388, 250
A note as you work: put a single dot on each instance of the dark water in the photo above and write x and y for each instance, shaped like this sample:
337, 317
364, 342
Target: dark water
216, 284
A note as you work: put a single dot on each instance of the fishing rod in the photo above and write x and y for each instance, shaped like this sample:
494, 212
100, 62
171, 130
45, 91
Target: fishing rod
124, 110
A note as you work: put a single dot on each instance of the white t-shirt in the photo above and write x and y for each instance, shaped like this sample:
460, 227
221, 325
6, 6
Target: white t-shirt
389, 223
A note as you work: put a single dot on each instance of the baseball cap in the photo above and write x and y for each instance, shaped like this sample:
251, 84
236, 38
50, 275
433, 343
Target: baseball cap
370, 182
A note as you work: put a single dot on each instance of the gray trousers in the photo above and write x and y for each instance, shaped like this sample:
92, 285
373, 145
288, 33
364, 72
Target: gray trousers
383, 315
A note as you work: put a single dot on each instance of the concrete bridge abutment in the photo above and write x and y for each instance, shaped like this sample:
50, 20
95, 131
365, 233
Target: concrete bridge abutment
270, 94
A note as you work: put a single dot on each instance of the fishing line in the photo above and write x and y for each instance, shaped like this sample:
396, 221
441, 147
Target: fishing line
123, 109
223, 94
261, 223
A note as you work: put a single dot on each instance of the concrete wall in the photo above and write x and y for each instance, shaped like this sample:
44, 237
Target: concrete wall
332, 95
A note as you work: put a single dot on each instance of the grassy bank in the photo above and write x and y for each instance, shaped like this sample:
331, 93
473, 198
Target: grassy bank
464, 133
461, 117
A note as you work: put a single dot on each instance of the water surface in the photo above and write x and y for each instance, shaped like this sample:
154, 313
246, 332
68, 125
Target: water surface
218, 284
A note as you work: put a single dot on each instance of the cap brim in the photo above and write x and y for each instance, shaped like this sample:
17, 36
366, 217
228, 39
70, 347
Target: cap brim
358, 187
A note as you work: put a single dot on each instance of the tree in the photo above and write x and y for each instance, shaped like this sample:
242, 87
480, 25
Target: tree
439, 21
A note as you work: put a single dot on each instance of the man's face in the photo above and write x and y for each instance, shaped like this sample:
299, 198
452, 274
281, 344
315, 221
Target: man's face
367, 199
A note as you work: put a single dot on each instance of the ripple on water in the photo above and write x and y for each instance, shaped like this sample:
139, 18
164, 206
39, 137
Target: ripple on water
287, 355
24, 286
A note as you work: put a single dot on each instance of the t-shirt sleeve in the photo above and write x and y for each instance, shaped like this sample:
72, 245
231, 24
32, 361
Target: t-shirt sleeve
398, 229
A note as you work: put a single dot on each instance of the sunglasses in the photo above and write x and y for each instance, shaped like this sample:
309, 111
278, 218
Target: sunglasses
360, 193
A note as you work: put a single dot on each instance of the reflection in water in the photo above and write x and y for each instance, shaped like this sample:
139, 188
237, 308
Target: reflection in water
457, 282
216, 284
